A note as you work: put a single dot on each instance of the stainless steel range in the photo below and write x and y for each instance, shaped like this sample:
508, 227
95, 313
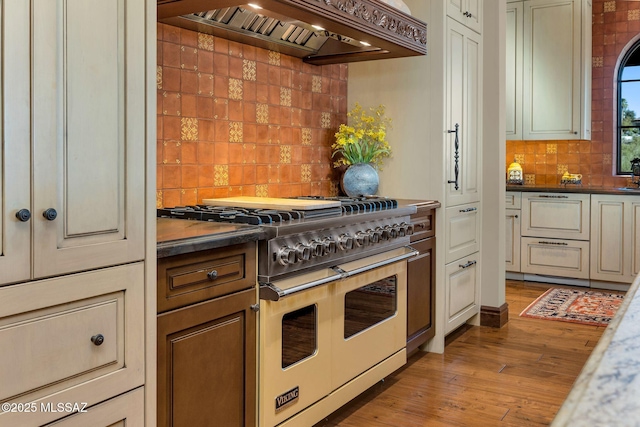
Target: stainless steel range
332, 283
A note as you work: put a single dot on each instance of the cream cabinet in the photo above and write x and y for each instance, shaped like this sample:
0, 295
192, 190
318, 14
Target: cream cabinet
462, 231
73, 199
615, 238
462, 299
463, 114
512, 231
549, 38
467, 12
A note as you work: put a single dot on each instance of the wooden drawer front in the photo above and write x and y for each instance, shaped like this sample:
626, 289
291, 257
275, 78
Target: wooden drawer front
122, 411
462, 291
565, 258
462, 233
424, 224
48, 327
562, 216
513, 200
191, 278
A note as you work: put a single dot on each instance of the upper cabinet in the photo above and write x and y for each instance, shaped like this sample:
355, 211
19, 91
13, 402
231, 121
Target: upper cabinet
73, 126
548, 57
467, 12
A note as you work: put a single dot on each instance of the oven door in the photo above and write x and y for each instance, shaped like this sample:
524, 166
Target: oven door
369, 314
295, 345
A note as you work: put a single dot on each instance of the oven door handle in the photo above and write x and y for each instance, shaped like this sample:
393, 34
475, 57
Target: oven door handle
406, 253
270, 292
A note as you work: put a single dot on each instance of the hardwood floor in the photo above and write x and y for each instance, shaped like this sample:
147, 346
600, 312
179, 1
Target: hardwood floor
518, 375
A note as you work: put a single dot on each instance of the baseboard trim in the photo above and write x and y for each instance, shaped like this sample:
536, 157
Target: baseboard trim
494, 317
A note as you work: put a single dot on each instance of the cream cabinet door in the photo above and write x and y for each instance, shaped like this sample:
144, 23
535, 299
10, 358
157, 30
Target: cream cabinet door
462, 285
15, 163
513, 77
463, 108
552, 69
462, 231
87, 127
556, 215
512, 240
467, 12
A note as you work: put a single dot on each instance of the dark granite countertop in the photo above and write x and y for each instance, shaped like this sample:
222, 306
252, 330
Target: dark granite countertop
573, 188
180, 236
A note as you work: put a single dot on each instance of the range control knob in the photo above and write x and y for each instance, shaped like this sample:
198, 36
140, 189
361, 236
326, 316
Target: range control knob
345, 242
362, 238
394, 231
384, 232
286, 255
375, 235
303, 252
408, 228
330, 246
402, 229
317, 248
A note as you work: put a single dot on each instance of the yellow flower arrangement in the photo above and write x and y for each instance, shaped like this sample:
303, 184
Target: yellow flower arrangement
365, 139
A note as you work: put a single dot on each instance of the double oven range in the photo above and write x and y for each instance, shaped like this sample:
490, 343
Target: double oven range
333, 286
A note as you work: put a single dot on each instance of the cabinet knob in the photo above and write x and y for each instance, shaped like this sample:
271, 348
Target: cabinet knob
50, 214
97, 339
23, 215
255, 307
212, 275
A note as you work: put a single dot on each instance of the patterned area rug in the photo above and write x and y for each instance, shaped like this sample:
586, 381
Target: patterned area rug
575, 305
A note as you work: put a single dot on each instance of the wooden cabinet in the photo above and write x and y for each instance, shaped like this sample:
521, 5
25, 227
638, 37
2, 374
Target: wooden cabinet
49, 330
421, 310
615, 238
82, 179
207, 349
463, 114
549, 38
467, 12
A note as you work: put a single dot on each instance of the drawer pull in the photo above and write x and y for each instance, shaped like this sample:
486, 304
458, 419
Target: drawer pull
420, 225
548, 196
512, 216
467, 265
468, 210
97, 339
212, 275
542, 242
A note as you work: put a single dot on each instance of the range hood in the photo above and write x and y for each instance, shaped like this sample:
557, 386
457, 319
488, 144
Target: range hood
318, 31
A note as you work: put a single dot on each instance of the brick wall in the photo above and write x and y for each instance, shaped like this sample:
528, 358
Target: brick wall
238, 120
615, 23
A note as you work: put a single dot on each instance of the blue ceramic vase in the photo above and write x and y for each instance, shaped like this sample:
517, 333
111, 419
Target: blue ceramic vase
360, 180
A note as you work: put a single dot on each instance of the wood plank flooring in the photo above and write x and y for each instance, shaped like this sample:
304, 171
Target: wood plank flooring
518, 375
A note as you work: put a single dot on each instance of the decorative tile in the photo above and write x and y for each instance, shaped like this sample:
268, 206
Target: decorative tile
562, 169
235, 132
262, 113
610, 6
205, 41
520, 158
159, 199
159, 77
552, 148
220, 175
262, 190
305, 175
189, 129
333, 189
285, 154
235, 89
316, 84
274, 58
597, 62
285, 96
306, 136
529, 178
633, 15
325, 120
249, 70
606, 158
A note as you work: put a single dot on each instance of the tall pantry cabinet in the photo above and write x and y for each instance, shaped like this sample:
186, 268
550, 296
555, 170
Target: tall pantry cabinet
75, 227
427, 97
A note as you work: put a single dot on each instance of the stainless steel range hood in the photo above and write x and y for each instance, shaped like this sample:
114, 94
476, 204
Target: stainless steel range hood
318, 31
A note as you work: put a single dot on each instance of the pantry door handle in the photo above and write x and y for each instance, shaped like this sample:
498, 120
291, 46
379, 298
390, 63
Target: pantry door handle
456, 156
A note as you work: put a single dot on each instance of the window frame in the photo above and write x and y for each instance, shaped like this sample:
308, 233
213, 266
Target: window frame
619, 127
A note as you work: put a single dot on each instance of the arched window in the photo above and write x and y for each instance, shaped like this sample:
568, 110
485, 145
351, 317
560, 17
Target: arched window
629, 109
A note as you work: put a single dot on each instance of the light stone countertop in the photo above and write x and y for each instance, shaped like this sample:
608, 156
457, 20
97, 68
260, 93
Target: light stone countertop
607, 392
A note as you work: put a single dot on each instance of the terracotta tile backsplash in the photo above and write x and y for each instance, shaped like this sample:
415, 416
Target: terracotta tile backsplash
239, 120
615, 23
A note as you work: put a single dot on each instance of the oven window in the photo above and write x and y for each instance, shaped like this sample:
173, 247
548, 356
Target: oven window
370, 304
299, 337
